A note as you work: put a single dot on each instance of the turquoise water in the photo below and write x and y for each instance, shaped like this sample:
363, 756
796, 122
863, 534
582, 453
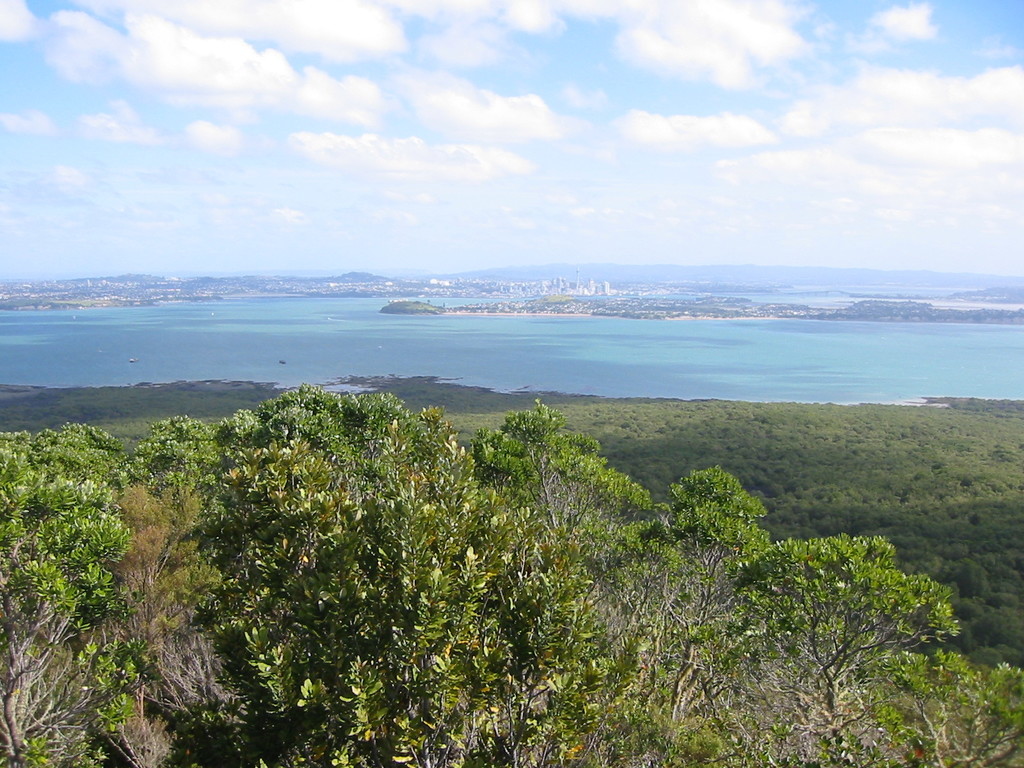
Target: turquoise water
322, 340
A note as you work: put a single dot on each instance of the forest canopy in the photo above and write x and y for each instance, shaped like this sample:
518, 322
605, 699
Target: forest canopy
334, 579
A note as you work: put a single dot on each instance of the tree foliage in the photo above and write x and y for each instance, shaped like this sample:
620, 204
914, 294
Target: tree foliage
379, 607
534, 462
832, 613
61, 679
956, 714
333, 580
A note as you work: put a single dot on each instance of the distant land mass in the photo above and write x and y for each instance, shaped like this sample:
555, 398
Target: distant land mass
725, 308
747, 273
411, 308
519, 284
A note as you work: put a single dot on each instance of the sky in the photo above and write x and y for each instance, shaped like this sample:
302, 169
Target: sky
185, 137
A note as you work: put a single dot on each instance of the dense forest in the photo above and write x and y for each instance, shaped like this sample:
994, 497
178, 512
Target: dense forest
332, 580
945, 484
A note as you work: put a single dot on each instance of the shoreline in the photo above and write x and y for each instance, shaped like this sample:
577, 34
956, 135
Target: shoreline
611, 317
387, 383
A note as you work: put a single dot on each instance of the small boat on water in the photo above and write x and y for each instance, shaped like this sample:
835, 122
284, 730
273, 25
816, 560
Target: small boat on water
133, 360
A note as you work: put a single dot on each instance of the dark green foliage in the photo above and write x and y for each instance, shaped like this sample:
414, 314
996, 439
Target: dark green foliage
125, 412
943, 483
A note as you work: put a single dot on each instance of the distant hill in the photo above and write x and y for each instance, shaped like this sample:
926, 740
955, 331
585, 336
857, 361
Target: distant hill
360, 277
411, 308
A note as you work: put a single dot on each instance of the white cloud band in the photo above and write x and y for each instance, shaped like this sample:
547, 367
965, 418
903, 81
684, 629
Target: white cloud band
410, 158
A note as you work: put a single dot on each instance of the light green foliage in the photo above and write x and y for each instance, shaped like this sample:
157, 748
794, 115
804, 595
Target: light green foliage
850, 591
60, 681
955, 714
533, 461
712, 511
179, 454
831, 613
79, 452
379, 607
667, 589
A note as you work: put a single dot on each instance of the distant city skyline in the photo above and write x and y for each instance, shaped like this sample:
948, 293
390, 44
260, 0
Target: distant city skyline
391, 136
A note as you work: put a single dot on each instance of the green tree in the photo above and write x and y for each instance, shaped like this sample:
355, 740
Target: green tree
668, 591
79, 452
60, 678
832, 614
379, 607
163, 579
180, 455
533, 461
955, 714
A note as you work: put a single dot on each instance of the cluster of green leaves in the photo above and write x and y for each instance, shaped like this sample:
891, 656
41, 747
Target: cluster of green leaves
63, 680
378, 606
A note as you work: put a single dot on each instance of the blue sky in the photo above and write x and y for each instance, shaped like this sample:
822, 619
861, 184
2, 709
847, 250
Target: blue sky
220, 136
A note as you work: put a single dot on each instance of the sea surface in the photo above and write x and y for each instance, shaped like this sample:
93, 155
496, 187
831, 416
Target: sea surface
294, 340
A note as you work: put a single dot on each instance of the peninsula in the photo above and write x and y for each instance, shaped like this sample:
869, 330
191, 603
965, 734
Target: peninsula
734, 308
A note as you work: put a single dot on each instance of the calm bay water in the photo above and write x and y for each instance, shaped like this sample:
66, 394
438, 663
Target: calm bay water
322, 340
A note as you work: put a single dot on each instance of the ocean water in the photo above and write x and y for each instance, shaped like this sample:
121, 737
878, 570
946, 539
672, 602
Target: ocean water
290, 341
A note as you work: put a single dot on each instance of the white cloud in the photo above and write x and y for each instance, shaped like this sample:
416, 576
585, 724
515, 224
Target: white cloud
475, 33
186, 68
908, 97
339, 30
719, 40
458, 109
900, 174
410, 158
351, 99
177, 60
902, 23
69, 179
83, 49
946, 147
31, 121
122, 126
580, 99
535, 16
216, 139
837, 172
898, 24
466, 44
421, 198
16, 21
994, 48
688, 132
394, 216
290, 216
